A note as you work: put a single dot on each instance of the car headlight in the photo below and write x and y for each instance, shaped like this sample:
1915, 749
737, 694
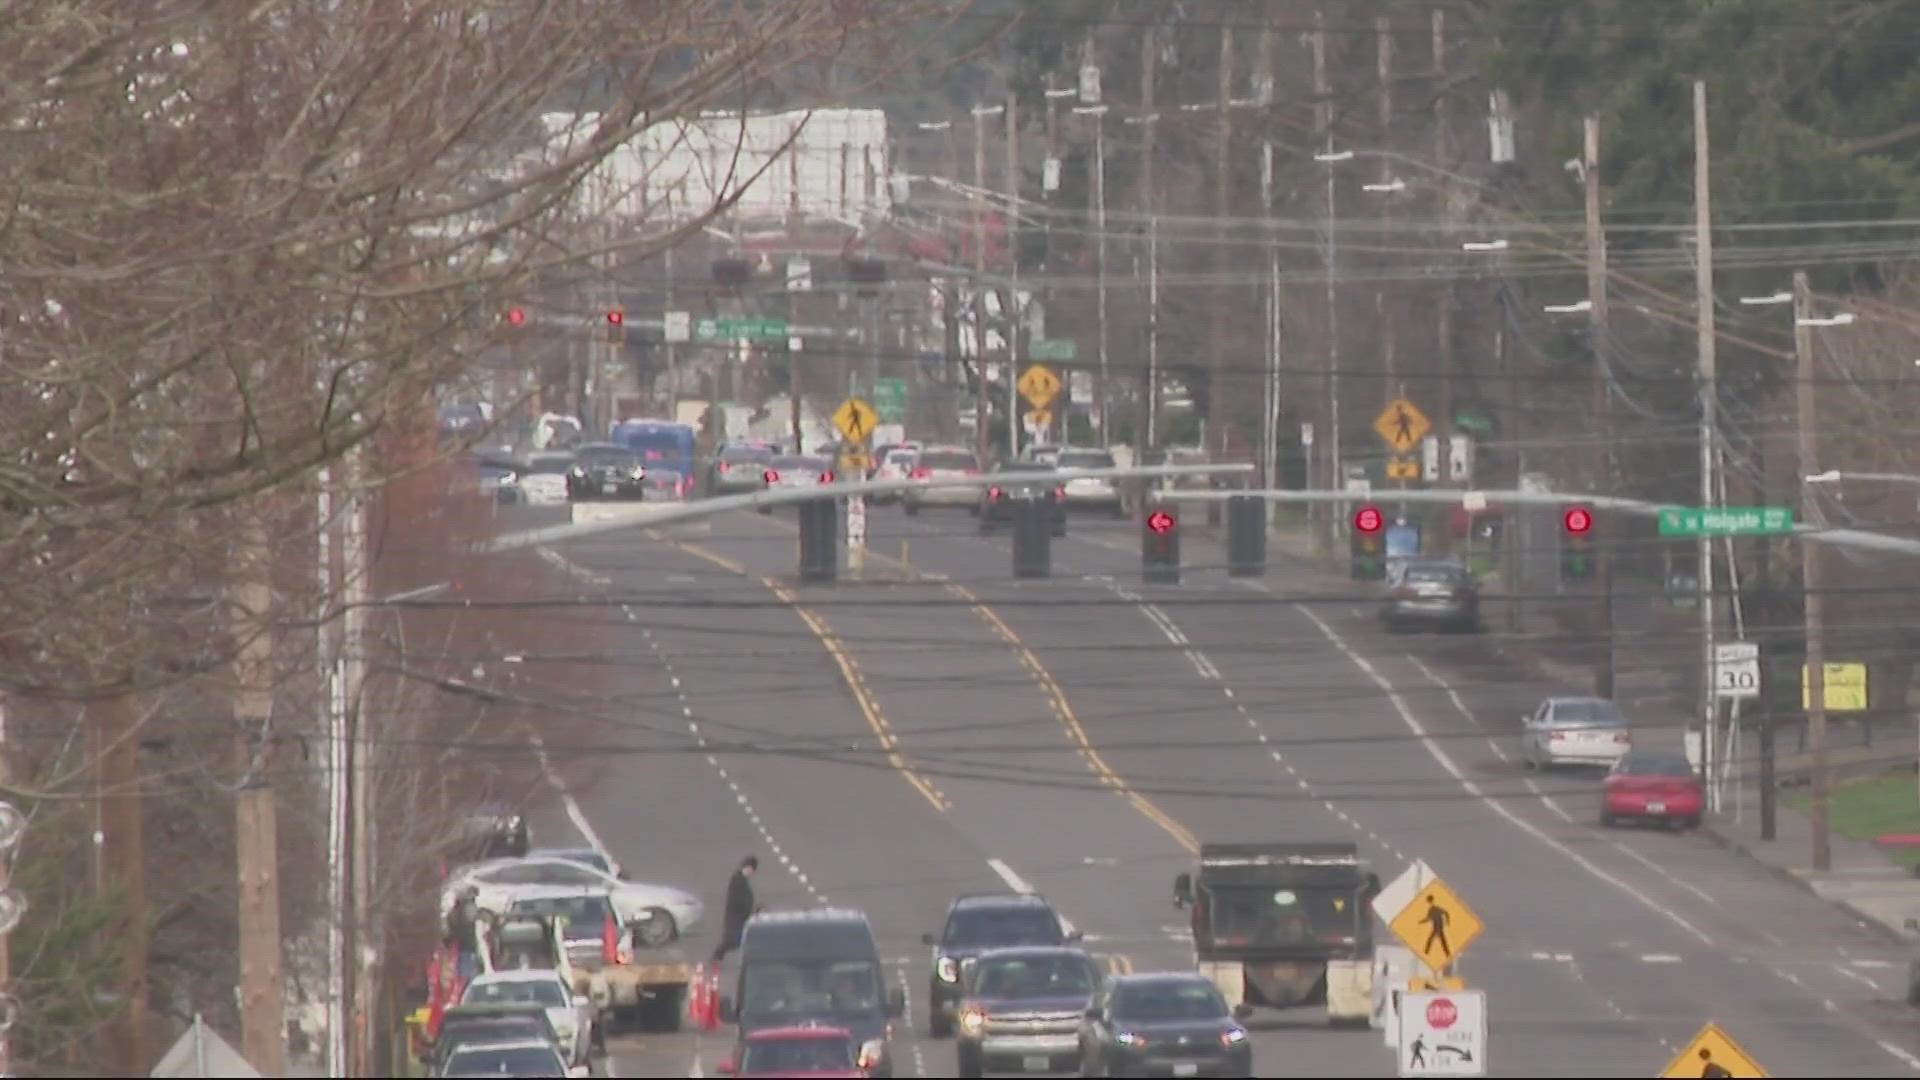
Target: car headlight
1233, 1036
973, 1021
872, 1053
577, 471
946, 969
1131, 1039
639, 472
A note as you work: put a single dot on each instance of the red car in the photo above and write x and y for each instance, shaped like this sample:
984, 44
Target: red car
1653, 785
795, 1051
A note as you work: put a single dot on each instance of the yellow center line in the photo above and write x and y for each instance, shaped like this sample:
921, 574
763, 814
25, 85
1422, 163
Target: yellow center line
850, 672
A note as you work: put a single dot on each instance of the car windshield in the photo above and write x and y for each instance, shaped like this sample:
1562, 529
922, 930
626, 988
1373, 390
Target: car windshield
1034, 977
746, 453
607, 455
780, 990
585, 915
1003, 926
545, 993
771, 1057
516, 1061
1655, 765
454, 1032
1270, 915
1086, 459
1168, 1001
1587, 713
945, 459
549, 466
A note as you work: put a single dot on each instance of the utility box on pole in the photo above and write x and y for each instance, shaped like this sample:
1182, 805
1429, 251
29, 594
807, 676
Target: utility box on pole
1032, 538
1160, 546
819, 540
1246, 536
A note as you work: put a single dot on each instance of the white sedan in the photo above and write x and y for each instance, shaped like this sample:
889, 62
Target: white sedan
571, 1015
659, 914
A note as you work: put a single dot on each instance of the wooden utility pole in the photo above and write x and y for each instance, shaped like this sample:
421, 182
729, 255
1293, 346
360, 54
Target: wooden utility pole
1597, 328
1218, 387
982, 441
1383, 311
1449, 294
122, 867
1705, 377
355, 569
1150, 390
1013, 275
1810, 570
1267, 459
1329, 433
256, 827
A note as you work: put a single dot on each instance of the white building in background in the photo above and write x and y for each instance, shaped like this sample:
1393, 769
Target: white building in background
812, 164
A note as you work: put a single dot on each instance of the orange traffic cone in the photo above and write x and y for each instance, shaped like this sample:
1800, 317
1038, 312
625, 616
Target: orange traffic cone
697, 998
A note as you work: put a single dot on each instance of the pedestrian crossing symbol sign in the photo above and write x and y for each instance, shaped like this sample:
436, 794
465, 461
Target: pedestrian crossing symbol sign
1712, 1054
1437, 925
855, 419
1402, 425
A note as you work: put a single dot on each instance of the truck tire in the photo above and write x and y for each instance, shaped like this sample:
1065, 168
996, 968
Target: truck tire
658, 931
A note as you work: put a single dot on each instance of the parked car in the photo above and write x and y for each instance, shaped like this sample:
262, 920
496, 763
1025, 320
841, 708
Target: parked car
1574, 731
1653, 785
1431, 592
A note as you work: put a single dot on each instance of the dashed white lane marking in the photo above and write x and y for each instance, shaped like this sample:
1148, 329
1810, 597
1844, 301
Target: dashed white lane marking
1445, 761
567, 801
1014, 881
1899, 1054
573, 569
1660, 958
1552, 804
906, 994
1207, 671
579, 818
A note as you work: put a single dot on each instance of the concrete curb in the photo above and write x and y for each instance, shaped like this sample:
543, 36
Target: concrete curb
1893, 934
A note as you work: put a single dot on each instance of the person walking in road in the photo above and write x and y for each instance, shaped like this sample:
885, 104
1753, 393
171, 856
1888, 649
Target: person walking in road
463, 930
1437, 919
739, 907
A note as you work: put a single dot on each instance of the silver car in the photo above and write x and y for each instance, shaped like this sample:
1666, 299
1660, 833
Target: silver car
1574, 731
1090, 492
791, 471
937, 463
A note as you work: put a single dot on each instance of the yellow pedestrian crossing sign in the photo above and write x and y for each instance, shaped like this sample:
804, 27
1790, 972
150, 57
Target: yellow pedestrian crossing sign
1712, 1053
1039, 385
1401, 424
1437, 925
855, 419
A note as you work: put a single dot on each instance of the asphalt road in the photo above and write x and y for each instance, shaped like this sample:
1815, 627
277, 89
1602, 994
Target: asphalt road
916, 740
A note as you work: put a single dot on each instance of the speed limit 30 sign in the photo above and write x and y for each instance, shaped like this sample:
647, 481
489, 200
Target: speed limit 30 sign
1736, 669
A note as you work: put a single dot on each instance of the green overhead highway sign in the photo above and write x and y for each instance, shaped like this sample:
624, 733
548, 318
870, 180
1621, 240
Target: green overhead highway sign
890, 400
1052, 349
1725, 520
735, 329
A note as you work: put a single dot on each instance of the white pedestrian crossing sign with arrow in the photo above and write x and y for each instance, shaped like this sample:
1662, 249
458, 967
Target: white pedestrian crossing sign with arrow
1443, 1034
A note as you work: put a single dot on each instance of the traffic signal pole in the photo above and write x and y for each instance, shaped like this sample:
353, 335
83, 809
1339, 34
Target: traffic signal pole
1603, 664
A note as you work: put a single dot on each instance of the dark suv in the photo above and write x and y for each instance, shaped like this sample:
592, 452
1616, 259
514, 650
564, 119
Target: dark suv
1018, 482
977, 924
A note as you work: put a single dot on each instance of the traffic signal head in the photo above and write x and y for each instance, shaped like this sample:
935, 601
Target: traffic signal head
1578, 520
1576, 547
616, 326
1367, 519
616, 317
516, 317
1162, 522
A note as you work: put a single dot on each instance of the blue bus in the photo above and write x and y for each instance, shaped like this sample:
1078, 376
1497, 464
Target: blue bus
662, 444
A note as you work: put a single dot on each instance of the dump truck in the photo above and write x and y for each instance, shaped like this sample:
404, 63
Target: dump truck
629, 982
1284, 925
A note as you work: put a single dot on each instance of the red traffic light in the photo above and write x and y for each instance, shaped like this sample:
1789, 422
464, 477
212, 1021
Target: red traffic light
516, 316
1578, 519
1161, 521
1367, 519
616, 317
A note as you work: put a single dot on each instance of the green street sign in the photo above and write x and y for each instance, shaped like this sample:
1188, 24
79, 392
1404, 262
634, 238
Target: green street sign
1725, 520
1052, 349
735, 329
890, 400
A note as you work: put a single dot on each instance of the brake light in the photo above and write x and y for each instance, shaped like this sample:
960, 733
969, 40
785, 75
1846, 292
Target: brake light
725, 466
770, 476
994, 493
1059, 494
827, 477
921, 472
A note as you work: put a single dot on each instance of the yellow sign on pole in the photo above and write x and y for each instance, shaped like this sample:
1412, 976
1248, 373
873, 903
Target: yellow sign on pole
1039, 385
1402, 468
1712, 1053
1843, 687
1452, 984
1437, 925
855, 419
1040, 419
1401, 424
